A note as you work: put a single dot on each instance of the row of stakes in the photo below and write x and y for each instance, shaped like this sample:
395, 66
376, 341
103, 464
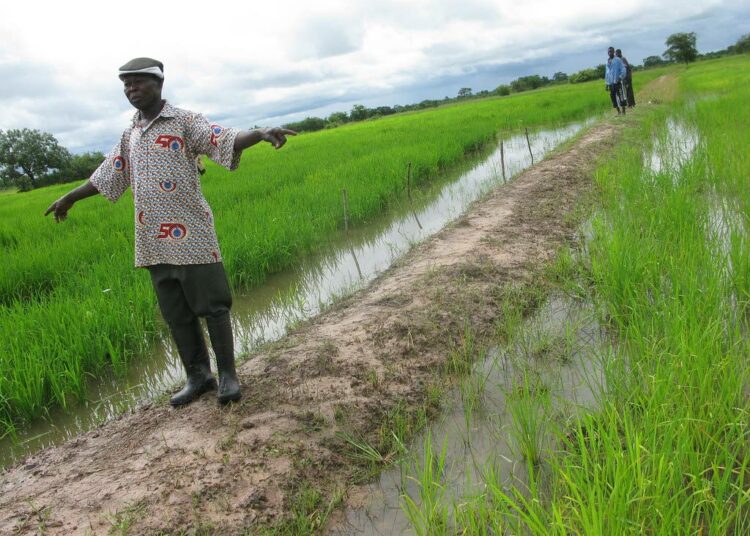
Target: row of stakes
345, 194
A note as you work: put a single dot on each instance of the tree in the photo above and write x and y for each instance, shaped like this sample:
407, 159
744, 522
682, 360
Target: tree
308, 124
29, 153
653, 61
337, 118
560, 77
384, 110
78, 166
502, 90
742, 45
681, 47
359, 112
586, 75
427, 103
464, 92
525, 83
83, 165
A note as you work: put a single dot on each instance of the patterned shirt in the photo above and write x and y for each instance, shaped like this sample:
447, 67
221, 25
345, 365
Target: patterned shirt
173, 222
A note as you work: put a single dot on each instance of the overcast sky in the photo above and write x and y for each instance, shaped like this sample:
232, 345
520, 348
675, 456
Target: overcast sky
266, 63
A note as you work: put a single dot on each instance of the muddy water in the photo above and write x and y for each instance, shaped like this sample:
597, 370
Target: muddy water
265, 313
670, 153
557, 349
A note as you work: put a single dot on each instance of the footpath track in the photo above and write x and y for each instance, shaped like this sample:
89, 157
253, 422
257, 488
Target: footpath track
234, 470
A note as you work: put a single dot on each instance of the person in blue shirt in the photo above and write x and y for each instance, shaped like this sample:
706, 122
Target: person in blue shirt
614, 74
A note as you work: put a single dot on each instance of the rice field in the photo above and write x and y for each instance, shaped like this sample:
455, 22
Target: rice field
72, 305
665, 266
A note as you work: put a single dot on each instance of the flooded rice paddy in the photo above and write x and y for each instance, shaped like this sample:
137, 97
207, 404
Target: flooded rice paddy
267, 312
554, 361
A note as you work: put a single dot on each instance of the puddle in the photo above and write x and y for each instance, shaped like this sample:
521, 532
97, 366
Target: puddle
476, 433
673, 151
725, 223
265, 313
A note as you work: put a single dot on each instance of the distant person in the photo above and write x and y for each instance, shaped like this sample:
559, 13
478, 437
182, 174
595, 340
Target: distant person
614, 74
629, 94
174, 228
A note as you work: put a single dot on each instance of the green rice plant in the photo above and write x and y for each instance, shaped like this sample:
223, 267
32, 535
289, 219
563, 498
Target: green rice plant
462, 355
398, 425
510, 318
308, 512
568, 272
472, 389
363, 452
428, 512
475, 515
529, 406
665, 451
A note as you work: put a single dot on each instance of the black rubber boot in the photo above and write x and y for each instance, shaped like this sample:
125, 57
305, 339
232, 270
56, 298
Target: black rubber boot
222, 341
191, 346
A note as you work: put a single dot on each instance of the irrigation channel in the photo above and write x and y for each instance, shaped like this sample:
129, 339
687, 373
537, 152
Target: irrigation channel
265, 313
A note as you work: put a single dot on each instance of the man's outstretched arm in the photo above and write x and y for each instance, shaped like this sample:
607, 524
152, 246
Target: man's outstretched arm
274, 136
61, 206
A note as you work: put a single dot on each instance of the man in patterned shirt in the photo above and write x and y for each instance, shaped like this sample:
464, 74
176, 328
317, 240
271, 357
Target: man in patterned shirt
174, 232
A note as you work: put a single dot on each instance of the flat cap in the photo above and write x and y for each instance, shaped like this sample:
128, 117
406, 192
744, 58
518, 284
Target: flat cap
143, 66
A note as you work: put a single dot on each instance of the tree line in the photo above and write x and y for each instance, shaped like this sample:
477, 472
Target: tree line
30, 158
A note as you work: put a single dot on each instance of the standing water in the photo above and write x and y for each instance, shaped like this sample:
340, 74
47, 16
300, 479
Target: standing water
511, 400
266, 312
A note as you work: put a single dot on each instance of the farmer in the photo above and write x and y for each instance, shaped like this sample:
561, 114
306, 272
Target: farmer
174, 232
614, 74
630, 96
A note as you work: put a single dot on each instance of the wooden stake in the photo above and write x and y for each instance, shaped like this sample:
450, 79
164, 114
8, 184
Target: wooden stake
346, 209
356, 262
419, 224
529, 144
408, 181
345, 196
502, 159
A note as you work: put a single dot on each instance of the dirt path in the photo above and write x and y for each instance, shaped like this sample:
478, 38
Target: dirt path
230, 471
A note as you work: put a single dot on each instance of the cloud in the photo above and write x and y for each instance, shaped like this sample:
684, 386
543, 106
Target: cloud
24, 80
244, 64
326, 36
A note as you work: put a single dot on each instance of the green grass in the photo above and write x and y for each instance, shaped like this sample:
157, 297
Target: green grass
307, 513
667, 451
71, 303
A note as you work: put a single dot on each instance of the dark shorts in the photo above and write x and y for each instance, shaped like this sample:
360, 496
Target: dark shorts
190, 291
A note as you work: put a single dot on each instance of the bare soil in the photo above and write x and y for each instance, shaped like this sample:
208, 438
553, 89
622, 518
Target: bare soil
235, 470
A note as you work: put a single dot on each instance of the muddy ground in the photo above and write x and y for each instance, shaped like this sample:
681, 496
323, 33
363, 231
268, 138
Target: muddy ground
375, 357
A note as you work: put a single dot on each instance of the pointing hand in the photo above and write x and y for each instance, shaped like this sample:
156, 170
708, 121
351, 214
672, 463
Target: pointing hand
60, 209
277, 136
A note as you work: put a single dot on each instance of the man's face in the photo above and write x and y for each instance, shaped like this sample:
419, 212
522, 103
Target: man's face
611, 52
142, 90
